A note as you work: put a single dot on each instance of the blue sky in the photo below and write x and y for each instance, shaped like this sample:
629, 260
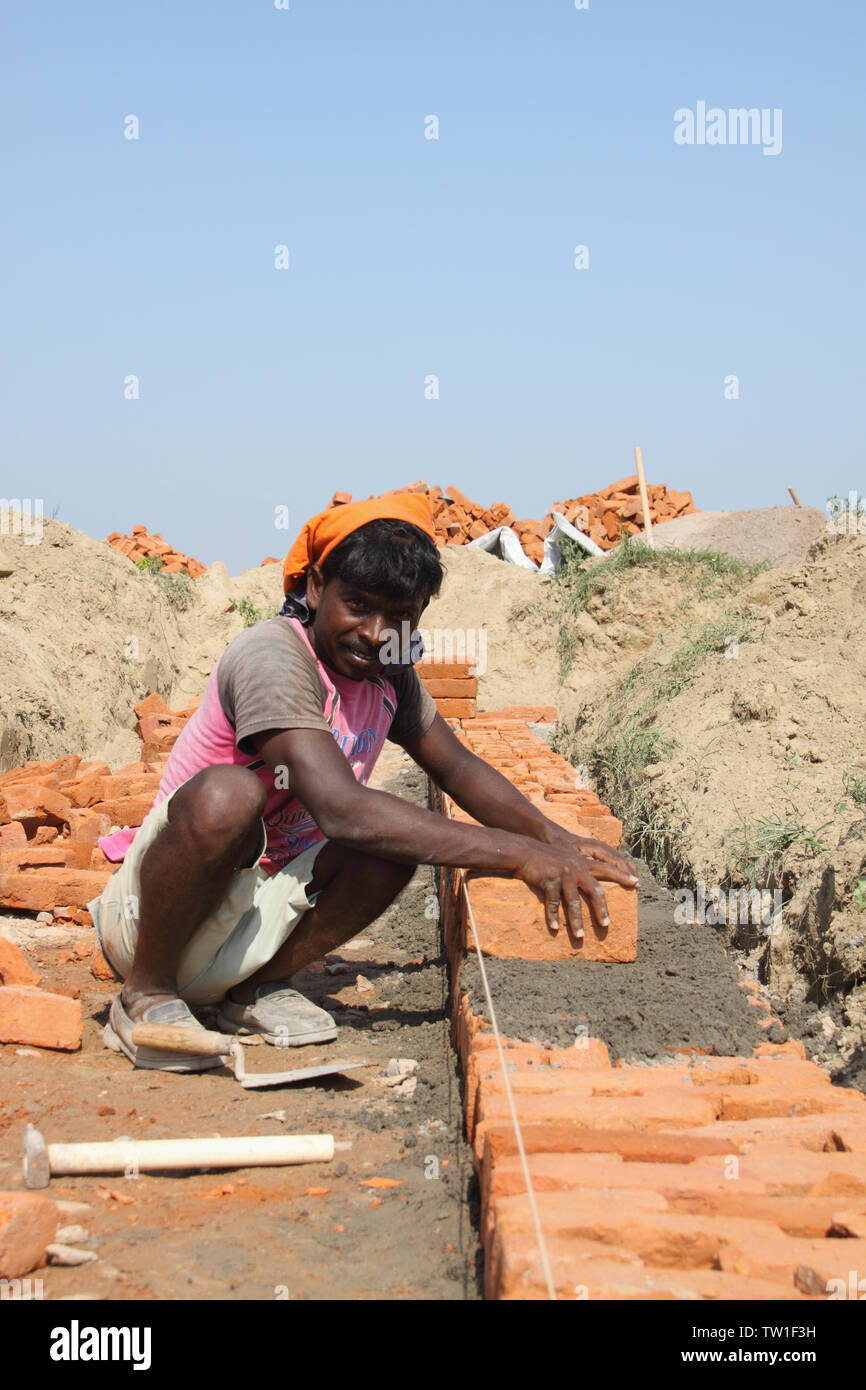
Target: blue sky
263, 388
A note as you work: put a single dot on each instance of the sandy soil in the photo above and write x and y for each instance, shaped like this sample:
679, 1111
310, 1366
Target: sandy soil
763, 745
781, 535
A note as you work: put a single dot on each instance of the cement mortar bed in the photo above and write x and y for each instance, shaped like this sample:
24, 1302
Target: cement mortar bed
682, 991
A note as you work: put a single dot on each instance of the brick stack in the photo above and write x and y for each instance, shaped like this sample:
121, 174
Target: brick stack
141, 545
453, 685
51, 816
605, 516
706, 1177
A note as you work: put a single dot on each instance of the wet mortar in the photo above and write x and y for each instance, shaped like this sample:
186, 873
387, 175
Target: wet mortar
682, 991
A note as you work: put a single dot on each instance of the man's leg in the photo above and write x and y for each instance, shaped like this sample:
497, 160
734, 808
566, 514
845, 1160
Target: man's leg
355, 889
214, 829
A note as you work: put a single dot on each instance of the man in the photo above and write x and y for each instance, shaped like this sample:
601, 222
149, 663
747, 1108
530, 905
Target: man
265, 849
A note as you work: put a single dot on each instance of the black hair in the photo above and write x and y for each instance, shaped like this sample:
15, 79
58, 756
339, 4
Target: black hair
388, 557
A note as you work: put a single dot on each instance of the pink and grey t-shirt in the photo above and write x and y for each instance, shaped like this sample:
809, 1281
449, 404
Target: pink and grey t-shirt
269, 677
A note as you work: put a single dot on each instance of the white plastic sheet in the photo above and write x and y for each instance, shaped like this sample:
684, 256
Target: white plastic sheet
562, 528
503, 542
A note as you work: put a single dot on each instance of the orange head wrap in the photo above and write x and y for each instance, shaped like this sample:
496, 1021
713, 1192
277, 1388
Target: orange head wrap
323, 532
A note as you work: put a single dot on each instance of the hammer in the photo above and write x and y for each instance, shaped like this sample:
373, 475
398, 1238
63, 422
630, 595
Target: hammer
43, 1161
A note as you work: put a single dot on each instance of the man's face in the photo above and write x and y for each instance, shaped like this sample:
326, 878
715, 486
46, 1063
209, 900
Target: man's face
353, 629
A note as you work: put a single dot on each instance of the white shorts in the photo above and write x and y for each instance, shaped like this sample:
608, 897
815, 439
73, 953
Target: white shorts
257, 915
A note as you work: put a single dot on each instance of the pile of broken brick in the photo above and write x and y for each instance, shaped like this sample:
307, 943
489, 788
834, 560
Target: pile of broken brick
141, 545
51, 816
604, 516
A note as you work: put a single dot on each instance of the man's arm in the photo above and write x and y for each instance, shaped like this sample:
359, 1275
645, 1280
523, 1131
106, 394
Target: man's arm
494, 801
389, 827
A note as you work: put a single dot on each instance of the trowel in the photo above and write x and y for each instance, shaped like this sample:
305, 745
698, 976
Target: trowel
201, 1042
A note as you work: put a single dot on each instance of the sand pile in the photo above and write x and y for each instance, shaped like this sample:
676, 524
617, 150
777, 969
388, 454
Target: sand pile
84, 635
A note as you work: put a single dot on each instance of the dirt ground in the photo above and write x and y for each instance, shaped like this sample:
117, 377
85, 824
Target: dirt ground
313, 1231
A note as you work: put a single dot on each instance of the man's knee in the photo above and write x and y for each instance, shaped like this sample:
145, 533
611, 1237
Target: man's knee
220, 807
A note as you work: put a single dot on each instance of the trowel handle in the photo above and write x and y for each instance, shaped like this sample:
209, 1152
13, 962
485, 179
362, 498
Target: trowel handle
198, 1042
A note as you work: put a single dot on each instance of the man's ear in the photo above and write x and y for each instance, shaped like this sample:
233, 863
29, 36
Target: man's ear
315, 585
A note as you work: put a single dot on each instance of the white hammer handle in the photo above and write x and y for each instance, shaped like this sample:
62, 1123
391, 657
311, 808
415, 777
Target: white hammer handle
154, 1155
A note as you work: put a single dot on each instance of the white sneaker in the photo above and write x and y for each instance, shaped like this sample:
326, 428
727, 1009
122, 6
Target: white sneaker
282, 1016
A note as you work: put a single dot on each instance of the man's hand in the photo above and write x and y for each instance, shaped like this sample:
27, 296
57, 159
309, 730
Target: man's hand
558, 873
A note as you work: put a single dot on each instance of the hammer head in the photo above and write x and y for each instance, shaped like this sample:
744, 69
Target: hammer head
37, 1169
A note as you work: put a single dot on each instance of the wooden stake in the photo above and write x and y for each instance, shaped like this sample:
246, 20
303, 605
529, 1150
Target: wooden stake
644, 499
794, 496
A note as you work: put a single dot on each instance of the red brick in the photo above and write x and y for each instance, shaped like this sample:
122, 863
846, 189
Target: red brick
768, 1254
799, 1217
668, 1110
632, 1220
60, 853
828, 1132
37, 890
771, 1101
80, 915
511, 923
13, 836
99, 966
34, 772
583, 1270
628, 484
567, 1136
159, 745
465, 689
84, 790
801, 1172
88, 825
151, 704
14, 967
38, 804
455, 709
39, 1019
483, 1061
45, 835
28, 1225
91, 769
124, 810
121, 786
533, 714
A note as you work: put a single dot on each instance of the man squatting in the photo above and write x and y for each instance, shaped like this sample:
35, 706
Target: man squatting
265, 849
